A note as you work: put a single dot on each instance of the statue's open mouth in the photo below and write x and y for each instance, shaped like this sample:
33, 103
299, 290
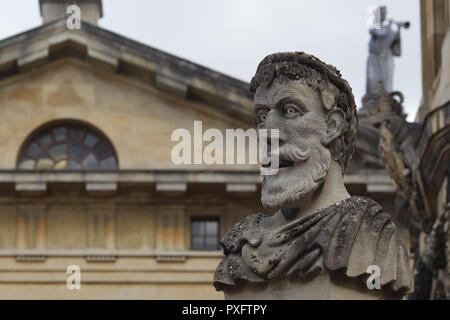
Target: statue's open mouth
282, 164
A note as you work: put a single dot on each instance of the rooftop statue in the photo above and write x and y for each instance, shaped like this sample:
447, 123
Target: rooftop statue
321, 241
383, 46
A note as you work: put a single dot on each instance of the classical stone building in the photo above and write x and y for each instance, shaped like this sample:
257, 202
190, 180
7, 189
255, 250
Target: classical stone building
433, 147
86, 177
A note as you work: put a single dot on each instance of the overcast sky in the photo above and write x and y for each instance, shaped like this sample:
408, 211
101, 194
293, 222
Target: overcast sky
232, 36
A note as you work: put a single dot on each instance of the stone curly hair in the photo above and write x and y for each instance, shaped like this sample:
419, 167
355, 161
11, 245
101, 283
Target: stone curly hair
319, 76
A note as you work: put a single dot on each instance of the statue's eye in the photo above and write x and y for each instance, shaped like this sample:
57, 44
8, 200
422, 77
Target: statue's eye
291, 110
262, 115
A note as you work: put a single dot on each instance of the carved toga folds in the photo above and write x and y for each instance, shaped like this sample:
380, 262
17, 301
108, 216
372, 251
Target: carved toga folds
347, 236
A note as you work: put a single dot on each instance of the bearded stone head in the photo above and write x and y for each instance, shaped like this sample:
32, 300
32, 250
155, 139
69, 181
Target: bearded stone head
314, 110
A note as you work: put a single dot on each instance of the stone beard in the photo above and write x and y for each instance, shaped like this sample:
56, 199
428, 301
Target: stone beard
319, 227
298, 181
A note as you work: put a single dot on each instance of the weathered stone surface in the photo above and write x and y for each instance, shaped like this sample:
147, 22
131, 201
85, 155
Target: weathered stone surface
99, 77
318, 227
347, 237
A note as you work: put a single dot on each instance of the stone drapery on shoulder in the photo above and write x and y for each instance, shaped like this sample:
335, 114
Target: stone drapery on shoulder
349, 236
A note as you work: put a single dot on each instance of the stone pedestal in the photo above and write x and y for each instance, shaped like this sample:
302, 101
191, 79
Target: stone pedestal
322, 287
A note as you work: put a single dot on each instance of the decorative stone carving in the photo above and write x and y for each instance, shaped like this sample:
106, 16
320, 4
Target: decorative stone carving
397, 144
397, 139
318, 227
100, 258
351, 234
31, 258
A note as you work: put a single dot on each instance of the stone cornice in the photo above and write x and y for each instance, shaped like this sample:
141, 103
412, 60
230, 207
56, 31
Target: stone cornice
168, 181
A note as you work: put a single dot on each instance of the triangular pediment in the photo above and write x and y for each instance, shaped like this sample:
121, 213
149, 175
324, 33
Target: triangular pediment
124, 63
130, 59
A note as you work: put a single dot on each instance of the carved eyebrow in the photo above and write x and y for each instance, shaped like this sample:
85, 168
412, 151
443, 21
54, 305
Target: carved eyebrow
292, 100
259, 106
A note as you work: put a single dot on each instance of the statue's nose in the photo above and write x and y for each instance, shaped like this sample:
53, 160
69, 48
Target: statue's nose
274, 121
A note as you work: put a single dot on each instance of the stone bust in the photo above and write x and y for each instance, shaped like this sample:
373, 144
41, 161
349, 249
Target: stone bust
318, 228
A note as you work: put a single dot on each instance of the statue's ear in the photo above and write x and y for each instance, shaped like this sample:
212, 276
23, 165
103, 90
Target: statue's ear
329, 95
336, 124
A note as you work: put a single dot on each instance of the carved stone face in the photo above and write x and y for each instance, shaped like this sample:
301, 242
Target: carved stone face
298, 112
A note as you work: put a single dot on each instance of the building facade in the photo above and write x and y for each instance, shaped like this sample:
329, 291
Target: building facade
86, 176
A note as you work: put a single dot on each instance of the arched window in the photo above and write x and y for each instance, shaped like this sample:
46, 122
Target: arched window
73, 146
